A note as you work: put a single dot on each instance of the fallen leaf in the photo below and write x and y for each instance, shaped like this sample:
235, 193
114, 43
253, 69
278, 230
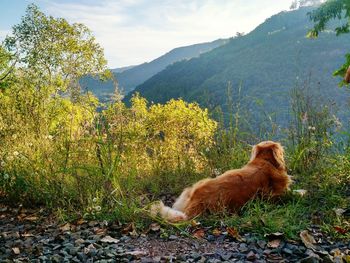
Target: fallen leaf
199, 233
66, 227
216, 232
234, 233
27, 235
194, 223
109, 239
80, 221
340, 230
31, 218
21, 216
100, 231
275, 243
307, 239
128, 229
16, 250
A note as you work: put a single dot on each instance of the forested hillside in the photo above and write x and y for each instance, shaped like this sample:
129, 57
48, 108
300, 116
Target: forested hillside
129, 78
267, 63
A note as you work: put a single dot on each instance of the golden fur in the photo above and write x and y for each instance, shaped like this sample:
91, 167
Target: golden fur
264, 174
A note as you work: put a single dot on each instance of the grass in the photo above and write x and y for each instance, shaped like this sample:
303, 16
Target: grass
112, 166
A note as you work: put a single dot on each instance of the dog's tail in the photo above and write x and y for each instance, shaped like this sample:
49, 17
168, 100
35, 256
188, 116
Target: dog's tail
167, 213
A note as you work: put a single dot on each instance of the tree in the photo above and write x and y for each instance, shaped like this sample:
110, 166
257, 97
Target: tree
6, 67
333, 9
300, 3
56, 52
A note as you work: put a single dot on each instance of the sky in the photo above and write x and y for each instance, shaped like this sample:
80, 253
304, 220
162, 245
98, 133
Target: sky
136, 31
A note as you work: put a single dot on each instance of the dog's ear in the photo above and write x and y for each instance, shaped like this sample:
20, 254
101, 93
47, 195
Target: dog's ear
278, 154
275, 148
255, 151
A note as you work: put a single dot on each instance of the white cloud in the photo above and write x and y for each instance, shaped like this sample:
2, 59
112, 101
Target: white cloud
135, 31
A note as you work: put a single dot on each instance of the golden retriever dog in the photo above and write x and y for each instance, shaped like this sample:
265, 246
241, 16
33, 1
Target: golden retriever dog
265, 174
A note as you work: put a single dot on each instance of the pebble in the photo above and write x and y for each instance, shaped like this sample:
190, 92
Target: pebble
81, 244
251, 256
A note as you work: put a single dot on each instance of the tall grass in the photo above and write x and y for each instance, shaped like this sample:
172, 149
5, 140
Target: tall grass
66, 156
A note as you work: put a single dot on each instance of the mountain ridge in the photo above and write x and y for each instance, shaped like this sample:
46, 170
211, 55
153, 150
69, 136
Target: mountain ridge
269, 61
130, 77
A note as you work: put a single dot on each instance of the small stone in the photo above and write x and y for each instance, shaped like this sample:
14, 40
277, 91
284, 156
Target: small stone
110, 255
195, 256
243, 248
261, 244
226, 256
73, 251
147, 260
82, 257
310, 259
173, 237
79, 241
210, 238
124, 239
75, 259
287, 251
57, 247
251, 256
181, 258
56, 258
327, 259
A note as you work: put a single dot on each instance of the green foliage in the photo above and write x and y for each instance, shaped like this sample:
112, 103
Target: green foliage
54, 52
331, 10
6, 68
62, 153
268, 61
130, 78
311, 130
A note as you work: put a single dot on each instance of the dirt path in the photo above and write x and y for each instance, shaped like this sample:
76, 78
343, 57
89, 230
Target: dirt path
34, 236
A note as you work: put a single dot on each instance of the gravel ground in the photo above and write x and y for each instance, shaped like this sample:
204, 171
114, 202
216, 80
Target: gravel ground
34, 236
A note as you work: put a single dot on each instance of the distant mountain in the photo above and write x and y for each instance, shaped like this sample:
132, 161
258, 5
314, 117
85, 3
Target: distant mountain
129, 78
122, 69
268, 62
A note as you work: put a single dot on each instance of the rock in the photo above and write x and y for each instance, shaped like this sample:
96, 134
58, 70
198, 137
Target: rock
79, 241
73, 251
195, 256
243, 248
82, 257
226, 256
287, 251
147, 260
261, 244
327, 259
56, 258
210, 238
173, 237
251, 256
310, 259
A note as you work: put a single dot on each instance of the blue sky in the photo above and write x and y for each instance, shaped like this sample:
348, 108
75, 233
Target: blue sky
137, 31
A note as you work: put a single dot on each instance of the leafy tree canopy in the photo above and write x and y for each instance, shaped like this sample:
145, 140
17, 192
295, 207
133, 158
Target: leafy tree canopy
5, 67
57, 52
333, 9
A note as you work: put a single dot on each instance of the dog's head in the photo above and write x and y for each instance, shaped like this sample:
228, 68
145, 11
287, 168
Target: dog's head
270, 151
